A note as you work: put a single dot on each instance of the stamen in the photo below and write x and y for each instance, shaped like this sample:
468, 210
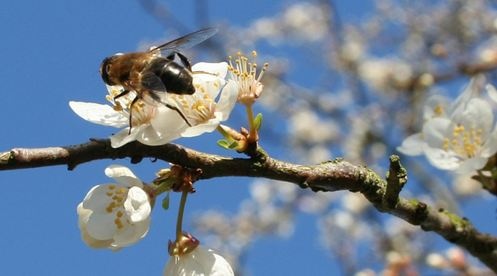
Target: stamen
465, 143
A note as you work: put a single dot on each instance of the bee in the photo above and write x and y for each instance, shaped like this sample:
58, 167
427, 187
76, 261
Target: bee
154, 72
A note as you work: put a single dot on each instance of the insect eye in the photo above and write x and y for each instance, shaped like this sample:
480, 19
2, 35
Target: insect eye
107, 68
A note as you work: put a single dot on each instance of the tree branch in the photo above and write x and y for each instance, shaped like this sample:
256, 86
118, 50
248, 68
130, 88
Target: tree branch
328, 176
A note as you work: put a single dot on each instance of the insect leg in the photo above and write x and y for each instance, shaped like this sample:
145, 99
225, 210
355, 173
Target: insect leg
124, 92
131, 112
158, 99
179, 112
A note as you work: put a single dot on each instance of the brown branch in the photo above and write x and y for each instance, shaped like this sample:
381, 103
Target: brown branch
329, 176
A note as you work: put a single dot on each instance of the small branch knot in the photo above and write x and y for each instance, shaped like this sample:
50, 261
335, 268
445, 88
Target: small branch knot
396, 179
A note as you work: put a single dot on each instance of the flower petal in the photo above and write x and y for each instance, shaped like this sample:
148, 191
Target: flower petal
445, 160
492, 92
123, 176
96, 199
123, 137
132, 234
99, 114
227, 100
199, 262
219, 70
412, 145
101, 226
469, 92
435, 131
471, 165
137, 205
477, 115
197, 130
435, 106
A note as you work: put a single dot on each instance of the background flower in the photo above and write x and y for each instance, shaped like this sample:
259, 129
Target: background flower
460, 136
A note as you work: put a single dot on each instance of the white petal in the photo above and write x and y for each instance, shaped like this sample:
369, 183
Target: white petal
471, 165
97, 199
199, 262
490, 145
137, 205
83, 214
214, 69
433, 105
148, 136
436, 130
211, 87
99, 114
469, 92
492, 92
167, 125
227, 100
412, 145
94, 243
123, 137
132, 233
101, 226
82, 222
478, 114
445, 160
197, 130
123, 176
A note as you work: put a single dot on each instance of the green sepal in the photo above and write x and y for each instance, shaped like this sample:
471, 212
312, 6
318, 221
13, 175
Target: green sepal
227, 145
258, 121
165, 202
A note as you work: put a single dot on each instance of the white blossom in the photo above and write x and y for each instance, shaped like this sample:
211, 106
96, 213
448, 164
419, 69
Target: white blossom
460, 137
201, 109
199, 262
115, 215
154, 123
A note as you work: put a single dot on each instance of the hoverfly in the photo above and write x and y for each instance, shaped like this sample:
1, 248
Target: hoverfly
155, 71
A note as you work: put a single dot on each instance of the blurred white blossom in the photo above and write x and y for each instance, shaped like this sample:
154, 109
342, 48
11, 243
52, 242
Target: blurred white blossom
464, 185
383, 74
462, 139
302, 21
355, 203
306, 126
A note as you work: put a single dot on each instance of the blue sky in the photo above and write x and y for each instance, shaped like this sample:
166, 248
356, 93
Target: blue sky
50, 53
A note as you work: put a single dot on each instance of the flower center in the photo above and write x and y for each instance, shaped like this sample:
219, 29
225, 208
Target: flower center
464, 142
117, 196
438, 110
197, 108
142, 112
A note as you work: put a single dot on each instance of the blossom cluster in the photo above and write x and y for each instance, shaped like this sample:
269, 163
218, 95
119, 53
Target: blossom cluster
117, 215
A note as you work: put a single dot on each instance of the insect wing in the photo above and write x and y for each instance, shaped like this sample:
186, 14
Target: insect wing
152, 82
185, 42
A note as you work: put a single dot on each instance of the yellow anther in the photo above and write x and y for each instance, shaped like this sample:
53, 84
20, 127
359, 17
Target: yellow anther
438, 110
